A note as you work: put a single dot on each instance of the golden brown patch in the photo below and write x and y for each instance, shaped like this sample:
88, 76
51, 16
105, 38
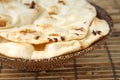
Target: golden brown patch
61, 2
3, 23
53, 10
4, 20
27, 31
81, 45
53, 34
6, 1
45, 26
39, 47
1, 38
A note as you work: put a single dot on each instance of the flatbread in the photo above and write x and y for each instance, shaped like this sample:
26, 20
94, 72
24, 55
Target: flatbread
50, 21
42, 29
98, 29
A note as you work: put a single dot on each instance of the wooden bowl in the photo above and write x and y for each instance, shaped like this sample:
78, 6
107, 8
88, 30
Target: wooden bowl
55, 62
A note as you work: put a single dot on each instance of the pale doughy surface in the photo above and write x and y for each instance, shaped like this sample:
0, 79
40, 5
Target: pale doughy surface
38, 29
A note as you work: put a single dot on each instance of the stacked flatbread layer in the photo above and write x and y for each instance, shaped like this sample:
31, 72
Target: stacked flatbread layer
39, 29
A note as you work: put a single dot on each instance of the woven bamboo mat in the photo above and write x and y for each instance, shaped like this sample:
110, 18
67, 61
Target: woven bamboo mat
102, 64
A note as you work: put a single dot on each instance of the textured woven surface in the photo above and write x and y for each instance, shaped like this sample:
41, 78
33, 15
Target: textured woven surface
103, 63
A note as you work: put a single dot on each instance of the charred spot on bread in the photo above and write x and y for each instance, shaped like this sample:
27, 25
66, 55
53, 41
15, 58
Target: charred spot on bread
37, 37
94, 32
50, 40
55, 39
32, 6
76, 34
61, 2
62, 38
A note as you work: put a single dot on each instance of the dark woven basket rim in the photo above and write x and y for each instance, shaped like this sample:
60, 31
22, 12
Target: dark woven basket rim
55, 62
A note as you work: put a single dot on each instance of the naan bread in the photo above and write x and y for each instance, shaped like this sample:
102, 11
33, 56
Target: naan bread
48, 21
98, 29
39, 29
